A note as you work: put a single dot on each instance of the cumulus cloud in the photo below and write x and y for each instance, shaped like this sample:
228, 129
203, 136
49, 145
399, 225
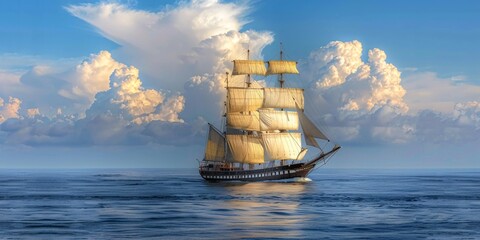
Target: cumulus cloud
185, 48
337, 69
166, 50
125, 114
127, 99
89, 78
183, 52
49, 88
9, 109
362, 100
332, 63
32, 112
368, 101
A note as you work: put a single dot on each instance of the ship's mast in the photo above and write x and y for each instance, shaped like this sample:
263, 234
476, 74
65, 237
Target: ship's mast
281, 74
249, 81
281, 81
225, 116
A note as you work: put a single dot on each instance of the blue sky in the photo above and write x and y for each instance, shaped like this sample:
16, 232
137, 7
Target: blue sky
65, 106
425, 34
432, 35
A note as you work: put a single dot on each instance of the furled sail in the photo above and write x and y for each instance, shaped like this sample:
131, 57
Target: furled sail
283, 145
282, 67
277, 120
244, 99
245, 148
283, 98
243, 67
310, 131
215, 149
246, 121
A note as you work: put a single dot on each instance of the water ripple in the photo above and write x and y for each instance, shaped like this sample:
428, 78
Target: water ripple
143, 204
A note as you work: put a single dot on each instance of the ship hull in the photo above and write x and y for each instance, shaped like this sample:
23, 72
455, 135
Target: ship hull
273, 173
298, 170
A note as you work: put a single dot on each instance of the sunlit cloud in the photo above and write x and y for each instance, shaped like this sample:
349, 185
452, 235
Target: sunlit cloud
369, 101
9, 109
426, 90
167, 79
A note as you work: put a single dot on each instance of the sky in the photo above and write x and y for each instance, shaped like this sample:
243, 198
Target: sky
107, 84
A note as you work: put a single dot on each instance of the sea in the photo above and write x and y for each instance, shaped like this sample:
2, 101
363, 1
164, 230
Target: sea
179, 204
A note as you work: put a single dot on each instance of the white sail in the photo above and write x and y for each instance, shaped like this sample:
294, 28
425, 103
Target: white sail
244, 99
215, 149
310, 131
245, 148
282, 67
243, 67
278, 120
283, 145
283, 97
246, 121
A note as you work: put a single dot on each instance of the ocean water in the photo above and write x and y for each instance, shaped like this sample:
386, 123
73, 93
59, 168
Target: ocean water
178, 204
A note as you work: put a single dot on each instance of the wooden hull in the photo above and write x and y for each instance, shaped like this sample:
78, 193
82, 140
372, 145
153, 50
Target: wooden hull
272, 173
298, 170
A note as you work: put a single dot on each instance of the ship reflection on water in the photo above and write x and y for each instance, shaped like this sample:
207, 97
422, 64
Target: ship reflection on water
262, 209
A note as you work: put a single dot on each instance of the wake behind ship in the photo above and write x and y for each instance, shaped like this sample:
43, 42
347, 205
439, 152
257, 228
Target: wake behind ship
260, 138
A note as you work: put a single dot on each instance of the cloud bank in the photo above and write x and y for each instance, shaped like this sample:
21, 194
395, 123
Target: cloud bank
120, 113
366, 102
183, 50
167, 80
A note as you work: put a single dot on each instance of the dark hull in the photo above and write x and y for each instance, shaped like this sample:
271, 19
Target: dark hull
273, 173
298, 170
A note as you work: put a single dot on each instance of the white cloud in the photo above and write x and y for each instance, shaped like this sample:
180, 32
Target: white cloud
163, 43
9, 79
120, 113
330, 65
428, 91
353, 86
185, 49
142, 105
89, 78
468, 113
9, 109
49, 87
205, 93
32, 112
177, 47
368, 101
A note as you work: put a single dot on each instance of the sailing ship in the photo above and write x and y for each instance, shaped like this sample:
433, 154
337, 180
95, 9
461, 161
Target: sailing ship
260, 138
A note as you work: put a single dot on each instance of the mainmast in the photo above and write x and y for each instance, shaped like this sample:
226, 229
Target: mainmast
281, 74
249, 80
225, 147
280, 68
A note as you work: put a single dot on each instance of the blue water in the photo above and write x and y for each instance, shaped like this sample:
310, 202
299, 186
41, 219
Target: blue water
153, 204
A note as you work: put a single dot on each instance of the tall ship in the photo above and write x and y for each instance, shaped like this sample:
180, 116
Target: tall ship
261, 135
